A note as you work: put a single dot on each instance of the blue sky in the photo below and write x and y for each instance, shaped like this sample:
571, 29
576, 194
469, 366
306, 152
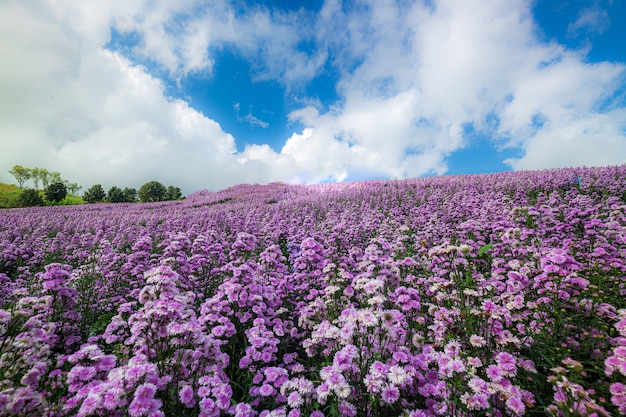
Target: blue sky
205, 94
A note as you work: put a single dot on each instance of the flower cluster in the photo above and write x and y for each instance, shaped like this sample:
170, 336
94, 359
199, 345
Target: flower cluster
499, 295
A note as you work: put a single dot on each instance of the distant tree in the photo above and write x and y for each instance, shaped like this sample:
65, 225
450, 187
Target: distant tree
44, 175
152, 191
116, 195
72, 187
173, 193
29, 198
94, 194
130, 195
55, 177
21, 174
35, 175
56, 192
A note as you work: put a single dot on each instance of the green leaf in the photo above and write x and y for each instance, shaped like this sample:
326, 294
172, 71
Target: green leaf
484, 249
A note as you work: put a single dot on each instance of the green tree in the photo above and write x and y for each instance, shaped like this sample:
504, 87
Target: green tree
29, 198
55, 177
56, 192
173, 193
152, 191
73, 187
35, 175
94, 194
21, 174
44, 175
130, 195
116, 195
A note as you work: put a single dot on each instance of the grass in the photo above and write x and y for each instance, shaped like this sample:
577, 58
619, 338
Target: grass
10, 193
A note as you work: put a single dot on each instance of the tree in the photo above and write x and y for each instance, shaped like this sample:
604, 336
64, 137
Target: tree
94, 194
116, 195
35, 174
72, 187
44, 175
21, 174
29, 198
56, 192
55, 177
152, 191
173, 193
130, 195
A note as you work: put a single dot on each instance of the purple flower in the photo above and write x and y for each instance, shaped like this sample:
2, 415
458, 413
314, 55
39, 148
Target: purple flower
266, 390
494, 373
186, 396
390, 394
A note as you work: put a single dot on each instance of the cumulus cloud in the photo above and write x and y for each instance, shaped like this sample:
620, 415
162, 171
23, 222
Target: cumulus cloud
412, 77
97, 118
429, 71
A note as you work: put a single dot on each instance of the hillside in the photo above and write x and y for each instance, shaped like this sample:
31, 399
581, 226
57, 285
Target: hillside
471, 295
9, 194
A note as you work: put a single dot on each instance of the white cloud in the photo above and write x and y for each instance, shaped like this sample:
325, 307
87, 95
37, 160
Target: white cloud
590, 20
412, 76
428, 72
93, 116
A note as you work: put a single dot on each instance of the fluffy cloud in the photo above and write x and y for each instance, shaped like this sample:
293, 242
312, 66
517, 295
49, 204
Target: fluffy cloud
430, 71
412, 77
92, 115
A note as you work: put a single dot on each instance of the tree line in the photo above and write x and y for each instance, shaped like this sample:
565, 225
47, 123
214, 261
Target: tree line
149, 192
43, 176
56, 189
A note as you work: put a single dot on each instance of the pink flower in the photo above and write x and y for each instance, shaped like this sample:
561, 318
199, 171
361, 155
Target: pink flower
390, 394
477, 341
397, 375
186, 396
475, 402
494, 373
266, 390
294, 400
516, 406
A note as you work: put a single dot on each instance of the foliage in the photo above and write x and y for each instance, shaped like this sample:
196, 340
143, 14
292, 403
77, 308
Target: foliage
29, 198
72, 187
44, 175
130, 195
152, 191
95, 194
173, 193
36, 175
56, 192
21, 174
116, 195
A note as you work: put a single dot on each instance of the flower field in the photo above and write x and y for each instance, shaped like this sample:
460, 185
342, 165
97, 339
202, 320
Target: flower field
483, 295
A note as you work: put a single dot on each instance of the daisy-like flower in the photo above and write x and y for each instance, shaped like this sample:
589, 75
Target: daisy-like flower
186, 396
322, 391
478, 385
494, 373
477, 341
516, 406
475, 401
390, 394
507, 363
343, 390
367, 318
295, 400
397, 375
266, 390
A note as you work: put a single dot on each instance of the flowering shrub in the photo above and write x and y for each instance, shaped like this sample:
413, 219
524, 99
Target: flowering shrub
494, 295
